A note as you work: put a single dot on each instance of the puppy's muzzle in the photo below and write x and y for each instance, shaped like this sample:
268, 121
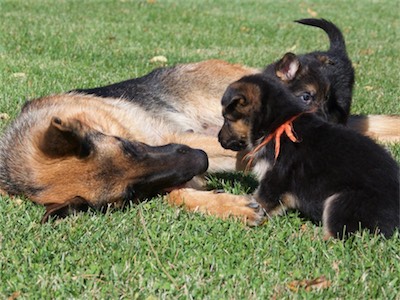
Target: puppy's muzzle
229, 140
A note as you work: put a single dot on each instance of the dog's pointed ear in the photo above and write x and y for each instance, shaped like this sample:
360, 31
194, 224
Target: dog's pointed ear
325, 59
61, 210
65, 137
235, 106
236, 102
288, 67
234, 98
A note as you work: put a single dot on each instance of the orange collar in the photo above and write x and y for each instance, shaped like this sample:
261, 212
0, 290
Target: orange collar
286, 127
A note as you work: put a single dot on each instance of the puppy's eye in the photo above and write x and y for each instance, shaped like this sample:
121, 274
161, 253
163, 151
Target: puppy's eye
229, 118
227, 123
307, 97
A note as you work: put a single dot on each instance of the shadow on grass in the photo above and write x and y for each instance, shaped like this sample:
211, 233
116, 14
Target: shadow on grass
245, 182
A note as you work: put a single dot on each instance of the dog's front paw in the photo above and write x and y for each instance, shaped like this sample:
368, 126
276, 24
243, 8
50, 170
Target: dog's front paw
222, 205
259, 214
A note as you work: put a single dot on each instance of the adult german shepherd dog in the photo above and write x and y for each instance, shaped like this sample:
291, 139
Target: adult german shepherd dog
126, 141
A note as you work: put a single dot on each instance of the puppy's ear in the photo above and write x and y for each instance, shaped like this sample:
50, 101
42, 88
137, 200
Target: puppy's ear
288, 67
236, 107
324, 59
235, 103
65, 137
61, 210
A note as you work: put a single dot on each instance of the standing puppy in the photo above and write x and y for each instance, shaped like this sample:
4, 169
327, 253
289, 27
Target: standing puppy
329, 173
322, 79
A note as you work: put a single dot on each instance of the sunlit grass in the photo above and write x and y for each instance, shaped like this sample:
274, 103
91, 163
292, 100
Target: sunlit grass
154, 251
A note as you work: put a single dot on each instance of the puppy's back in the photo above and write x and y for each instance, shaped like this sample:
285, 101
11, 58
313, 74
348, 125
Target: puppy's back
363, 175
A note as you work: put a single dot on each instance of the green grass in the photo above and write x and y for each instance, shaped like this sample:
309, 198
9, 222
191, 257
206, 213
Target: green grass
152, 251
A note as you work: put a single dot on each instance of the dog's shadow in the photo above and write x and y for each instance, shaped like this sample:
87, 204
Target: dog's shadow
235, 183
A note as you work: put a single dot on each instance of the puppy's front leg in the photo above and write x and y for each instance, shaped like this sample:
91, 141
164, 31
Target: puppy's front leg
221, 205
273, 196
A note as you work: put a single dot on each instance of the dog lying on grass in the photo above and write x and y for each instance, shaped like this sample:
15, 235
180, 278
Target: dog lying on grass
72, 152
329, 173
178, 105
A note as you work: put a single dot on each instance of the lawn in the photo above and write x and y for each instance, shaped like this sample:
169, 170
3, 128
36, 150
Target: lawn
152, 251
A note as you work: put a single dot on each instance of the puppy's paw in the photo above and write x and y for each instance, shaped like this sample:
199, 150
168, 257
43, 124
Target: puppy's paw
222, 205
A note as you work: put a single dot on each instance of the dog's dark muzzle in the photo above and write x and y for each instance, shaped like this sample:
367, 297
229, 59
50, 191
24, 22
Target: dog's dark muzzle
180, 156
169, 166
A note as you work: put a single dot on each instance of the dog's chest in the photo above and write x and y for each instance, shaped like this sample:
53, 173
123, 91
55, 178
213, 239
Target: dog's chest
261, 167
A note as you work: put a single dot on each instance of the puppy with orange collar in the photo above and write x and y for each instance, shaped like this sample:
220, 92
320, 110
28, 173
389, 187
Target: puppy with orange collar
328, 172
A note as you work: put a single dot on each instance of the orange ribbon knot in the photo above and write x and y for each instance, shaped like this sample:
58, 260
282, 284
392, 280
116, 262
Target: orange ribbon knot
287, 128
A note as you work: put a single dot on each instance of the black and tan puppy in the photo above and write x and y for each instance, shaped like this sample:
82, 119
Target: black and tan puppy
322, 79
329, 173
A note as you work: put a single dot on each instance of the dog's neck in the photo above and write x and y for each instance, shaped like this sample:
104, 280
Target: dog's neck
286, 127
276, 135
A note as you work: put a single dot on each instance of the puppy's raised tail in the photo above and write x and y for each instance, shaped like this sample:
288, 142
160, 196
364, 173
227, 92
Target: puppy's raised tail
383, 128
336, 38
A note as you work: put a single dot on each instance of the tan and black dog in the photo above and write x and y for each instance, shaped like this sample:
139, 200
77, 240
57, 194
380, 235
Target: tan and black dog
178, 105
328, 172
70, 152
73, 151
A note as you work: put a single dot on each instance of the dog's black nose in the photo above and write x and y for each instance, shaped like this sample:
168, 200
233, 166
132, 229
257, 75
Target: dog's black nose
202, 159
196, 155
183, 149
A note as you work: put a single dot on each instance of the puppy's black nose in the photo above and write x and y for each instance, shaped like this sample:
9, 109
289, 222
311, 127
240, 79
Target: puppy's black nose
235, 145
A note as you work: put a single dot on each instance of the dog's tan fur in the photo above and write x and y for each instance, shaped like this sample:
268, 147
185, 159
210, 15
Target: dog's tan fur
196, 124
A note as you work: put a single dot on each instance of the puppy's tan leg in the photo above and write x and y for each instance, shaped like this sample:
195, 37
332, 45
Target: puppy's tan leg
221, 205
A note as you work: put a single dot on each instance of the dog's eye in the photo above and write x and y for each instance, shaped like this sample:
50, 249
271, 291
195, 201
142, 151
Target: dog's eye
307, 97
132, 149
228, 119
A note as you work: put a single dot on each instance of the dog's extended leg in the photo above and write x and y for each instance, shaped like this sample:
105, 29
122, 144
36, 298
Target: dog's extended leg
221, 205
383, 128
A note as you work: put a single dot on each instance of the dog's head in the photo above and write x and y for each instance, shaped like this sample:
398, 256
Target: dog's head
305, 79
252, 107
79, 165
